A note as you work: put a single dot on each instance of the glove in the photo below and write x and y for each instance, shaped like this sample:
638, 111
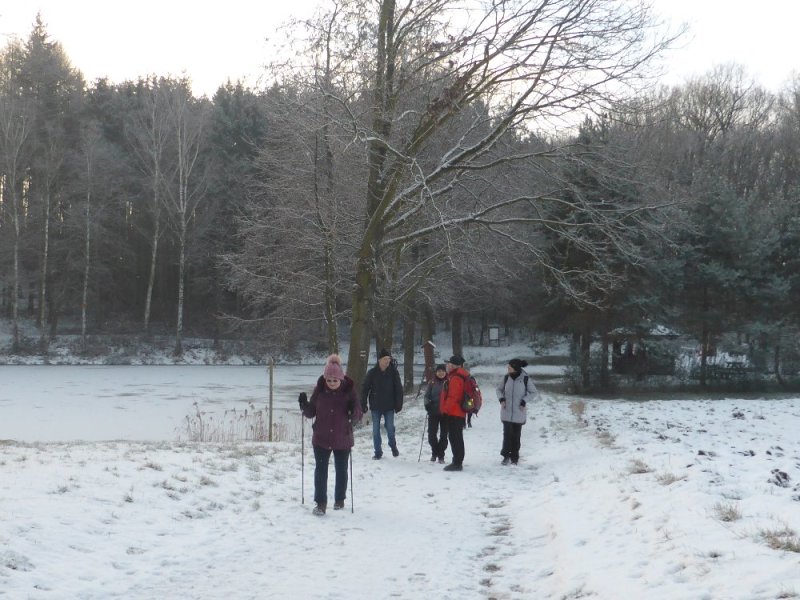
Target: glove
350, 407
302, 400
522, 403
364, 408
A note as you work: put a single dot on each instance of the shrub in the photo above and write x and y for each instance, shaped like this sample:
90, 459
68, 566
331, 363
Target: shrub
249, 425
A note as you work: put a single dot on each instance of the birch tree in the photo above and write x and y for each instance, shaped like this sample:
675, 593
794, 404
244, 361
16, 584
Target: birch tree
189, 119
100, 164
15, 130
150, 137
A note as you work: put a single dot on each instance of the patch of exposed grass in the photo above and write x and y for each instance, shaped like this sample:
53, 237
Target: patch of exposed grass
783, 538
578, 408
727, 512
605, 439
638, 467
249, 425
669, 478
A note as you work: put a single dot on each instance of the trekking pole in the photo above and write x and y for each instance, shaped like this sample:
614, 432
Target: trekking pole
422, 439
352, 500
302, 459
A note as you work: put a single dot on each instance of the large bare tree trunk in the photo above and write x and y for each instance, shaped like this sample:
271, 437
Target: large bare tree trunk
330, 303
604, 375
364, 290
586, 345
357, 358
408, 352
458, 325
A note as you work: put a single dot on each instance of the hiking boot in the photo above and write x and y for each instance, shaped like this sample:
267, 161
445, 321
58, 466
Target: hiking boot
433, 457
319, 509
454, 467
395, 451
506, 460
338, 505
377, 457
441, 460
514, 461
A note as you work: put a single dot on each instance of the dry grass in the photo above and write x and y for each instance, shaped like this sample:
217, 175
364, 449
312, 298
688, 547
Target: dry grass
669, 478
783, 538
638, 467
605, 439
727, 512
249, 425
577, 408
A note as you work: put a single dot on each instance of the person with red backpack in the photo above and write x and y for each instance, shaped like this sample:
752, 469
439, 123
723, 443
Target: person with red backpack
450, 406
514, 394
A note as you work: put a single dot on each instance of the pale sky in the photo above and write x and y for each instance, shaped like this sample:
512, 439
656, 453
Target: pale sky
208, 41
211, 42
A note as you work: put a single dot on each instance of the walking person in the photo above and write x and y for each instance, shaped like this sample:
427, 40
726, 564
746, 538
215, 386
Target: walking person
437, 434
514, 393
382, 393
334, 406
453, 415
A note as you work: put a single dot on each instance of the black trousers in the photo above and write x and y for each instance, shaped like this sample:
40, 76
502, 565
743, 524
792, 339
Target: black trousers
437, 435
455, 433
322, 457
511, 440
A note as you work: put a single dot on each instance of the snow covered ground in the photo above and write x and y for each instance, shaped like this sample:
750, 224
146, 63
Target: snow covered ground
612, 499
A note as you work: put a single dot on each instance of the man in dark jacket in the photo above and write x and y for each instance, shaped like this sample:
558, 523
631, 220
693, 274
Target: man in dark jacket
383, 392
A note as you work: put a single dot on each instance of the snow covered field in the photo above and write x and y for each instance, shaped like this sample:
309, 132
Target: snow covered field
612, 499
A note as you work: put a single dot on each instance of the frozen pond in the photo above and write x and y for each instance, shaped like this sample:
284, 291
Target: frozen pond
143, 403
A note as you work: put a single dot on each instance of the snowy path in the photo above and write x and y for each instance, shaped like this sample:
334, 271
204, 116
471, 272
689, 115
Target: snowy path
152, 521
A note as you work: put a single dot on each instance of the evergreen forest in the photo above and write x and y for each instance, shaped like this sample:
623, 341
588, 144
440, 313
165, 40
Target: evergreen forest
403, 172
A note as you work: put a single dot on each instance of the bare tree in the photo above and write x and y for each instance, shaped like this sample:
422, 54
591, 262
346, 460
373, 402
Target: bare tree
189, 119
150, 135
434, 64
15, 130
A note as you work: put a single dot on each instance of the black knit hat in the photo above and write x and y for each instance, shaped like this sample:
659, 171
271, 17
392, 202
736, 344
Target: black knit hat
440, 367
383, 352
517, 364
456, 360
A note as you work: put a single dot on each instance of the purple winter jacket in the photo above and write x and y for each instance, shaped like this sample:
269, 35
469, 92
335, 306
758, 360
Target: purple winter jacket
333, 428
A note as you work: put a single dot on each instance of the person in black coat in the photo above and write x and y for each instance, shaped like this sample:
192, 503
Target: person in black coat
382, 393
437, 432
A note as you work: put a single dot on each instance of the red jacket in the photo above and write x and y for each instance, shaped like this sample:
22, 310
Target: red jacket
453, 393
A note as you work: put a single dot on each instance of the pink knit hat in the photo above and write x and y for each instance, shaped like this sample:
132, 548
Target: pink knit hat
333, 368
